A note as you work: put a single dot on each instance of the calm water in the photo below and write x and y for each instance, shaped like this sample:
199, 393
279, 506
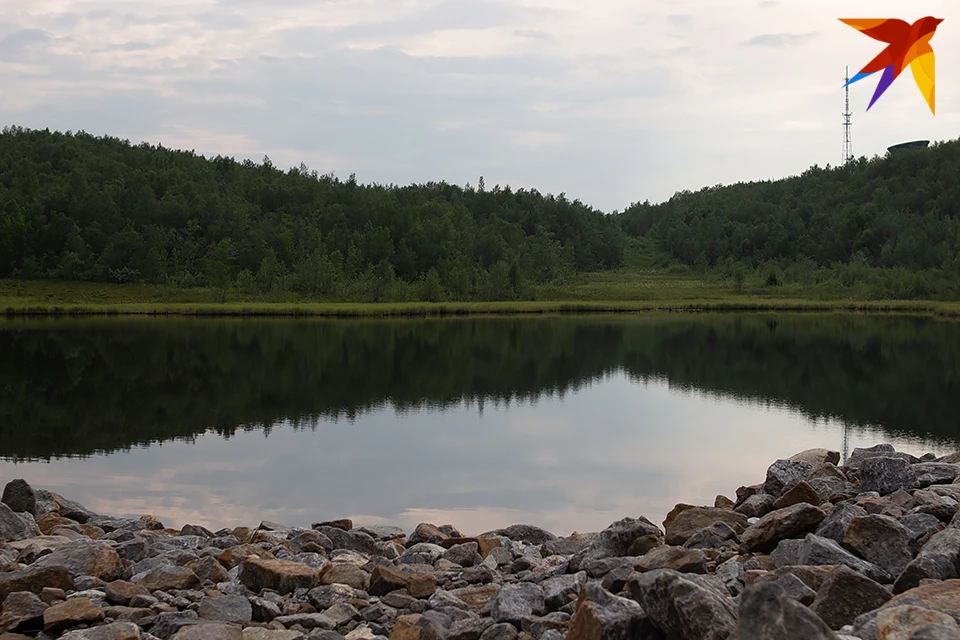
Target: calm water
567, 423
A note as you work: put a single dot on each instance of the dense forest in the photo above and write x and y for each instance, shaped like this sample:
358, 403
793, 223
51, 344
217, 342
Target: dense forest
79, 207
79, 387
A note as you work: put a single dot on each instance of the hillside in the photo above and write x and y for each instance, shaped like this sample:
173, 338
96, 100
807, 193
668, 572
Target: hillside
79, 207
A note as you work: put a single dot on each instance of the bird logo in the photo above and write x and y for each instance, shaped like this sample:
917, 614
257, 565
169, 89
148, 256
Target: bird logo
907, 44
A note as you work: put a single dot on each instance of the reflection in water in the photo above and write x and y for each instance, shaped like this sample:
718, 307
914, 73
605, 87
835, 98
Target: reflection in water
583, 420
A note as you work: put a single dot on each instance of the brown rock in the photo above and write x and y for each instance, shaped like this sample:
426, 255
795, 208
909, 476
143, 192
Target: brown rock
348, 574
167, 577
811, 575
50, 521
677, 510
209, 569
279, 575
235, 555
901, 623
789, 522
846, 594
243, 534
51, 595
687, 522
796, 494
22, 611
115, 631
209, 632
71, 613
676, 558
385, 579
487, 545
416, 627
476, 597
86, 558
941, 596
723, 502
817, 457
422, 585
643, 544
345, 524
121, 591
34, 579
426, 532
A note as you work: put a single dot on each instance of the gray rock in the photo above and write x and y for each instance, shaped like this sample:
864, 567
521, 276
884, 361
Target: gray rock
13, 527
568, 546
862, 453
886, 475
308, 621
465, 555
787, 553
766, 611
557, 590
515, 601
469, 629
500, 631
881, 540
85, 558
168, 624
937, 560
352, 540
685, 606
797, 589
600, 568
422, 553
823, 551
846, 594
523, 533
263, 610
343, 613
712, 537
788, 522
601, 615
382, 532
113, 631
835, 525
756, 506
232, 609
920, 524
616, 580
67, 508
22, 611
20, 497
615, 541
929, 473
326, 596
782, 472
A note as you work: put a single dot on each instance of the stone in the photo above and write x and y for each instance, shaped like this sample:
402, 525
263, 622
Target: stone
385, 579
121, 591
881, 540
766, 611
886, 475
756, 506
862, 453
426, 532
684, 606
465, 555
469, 628
416, 627
603, 616
326, 596
615, 541
475, 597
169, 577
676, 558
307, 621
795, 493
920, 524
723, 502
257, 633
937, 560
835, 525
20, 497
823, 551
930, 473
783, 472
209, 632
677, 510
82, 558
816, 457
797, 589
787, 553
231, 609
342, 613
524, 533
845, 595
513, 602
422, 553
113, 631
382, 532
500, 631
233, 556
902, 623
789, 522
709, 538
66, 508
209, 569
348, 574
71, 613
14, 527
278, 575
344, 524
690, 521
643, 544
352, 540
561, 590
34, 579
22, 611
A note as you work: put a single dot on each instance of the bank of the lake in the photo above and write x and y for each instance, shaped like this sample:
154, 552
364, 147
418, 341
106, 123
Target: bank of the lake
863, 550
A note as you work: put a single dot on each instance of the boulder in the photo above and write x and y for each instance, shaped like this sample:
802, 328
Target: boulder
930, 473
845, 595
34, 579
523, 533
122, 592
881, 540
676, 558
561, 590
22, 611
209, 632
685, 606
15, 527
615, 541
835, 525
209, 569
766, 611
113, 631
823, 551
230, 609
789, 522
385, 579
82, 558
513, 602
711, 537
71, 613
20, 497
795, 493
169, 577
601, 615
783, 472
690, 521
426, 532
903, 622
416, 627
816, 457
938, 560
756, 506
886, 475
278, 575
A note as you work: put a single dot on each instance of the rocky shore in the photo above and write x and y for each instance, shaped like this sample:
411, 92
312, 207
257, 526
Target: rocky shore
867, 550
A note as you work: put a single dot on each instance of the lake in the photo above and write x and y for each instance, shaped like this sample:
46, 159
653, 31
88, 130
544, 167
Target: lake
566, 422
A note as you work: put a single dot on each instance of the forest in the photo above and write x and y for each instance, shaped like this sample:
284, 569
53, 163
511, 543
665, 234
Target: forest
76, 207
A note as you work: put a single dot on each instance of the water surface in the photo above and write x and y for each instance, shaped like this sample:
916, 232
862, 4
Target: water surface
564, 422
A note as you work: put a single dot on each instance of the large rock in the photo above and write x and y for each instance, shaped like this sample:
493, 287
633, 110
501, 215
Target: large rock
817, 457
930, 473
50, 501
516, 601
767, 612
886, 475
615, 541
416, 627
835, 525
14, 526
97, 559
71, 613
601, 615
348, 574
34, 579
476, 597
352, 540
426, 532
939, 559
676, 558
823, 551
903, 623
113, 631
385, 579
231, 609
795, 493
684, 606
756, 506
789, 522
22, 611
881, 540
209, 632
523, 533
122, 592
279, 575
690, 521
209, 569
783, 472
845, 595
560, 590
257, 633
169, 577
20, 497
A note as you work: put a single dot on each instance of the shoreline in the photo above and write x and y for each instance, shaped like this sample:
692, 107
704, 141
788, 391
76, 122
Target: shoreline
864, 550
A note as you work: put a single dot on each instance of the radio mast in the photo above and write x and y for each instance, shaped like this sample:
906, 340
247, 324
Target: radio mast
847, 143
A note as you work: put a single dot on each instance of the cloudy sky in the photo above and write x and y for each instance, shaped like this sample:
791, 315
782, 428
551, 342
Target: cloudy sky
609, 101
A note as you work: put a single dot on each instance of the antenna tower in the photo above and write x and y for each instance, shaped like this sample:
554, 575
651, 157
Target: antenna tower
847, 143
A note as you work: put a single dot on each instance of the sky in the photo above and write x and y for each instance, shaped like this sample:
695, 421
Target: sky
609, 101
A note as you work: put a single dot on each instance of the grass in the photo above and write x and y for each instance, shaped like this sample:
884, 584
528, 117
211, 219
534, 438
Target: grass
609, 292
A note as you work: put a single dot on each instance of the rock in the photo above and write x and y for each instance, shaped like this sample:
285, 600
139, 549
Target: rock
523, 533
710, 538
114, 631
475, 597
767, 612
845, 595
14, 527
881, 540
328, 595
34, 579
684, 606
121, 591
723, 502
348, 574
789, 522
97, 559
307, 621
422, 553
352, 540
233, 556
902, 623
835, 525
615, 541
231, 609
783, 472
500, 631
426, 532
209, 632
416, 627
382, 532
885, 475
66, 508
385, 579
208, 569
928, 473
20, 497
643, 544
823, 551
469, 628
862, 453
342, 613
22, 611
795, 588
795, 493
817, 457
421, 585
937, 560
690, 521
756, 506
169, 577
787, 553
513, 602
603, 616
465, 555
256, 633
560, 590
70, 613
676, 558
920, 524
344, 524
282, 576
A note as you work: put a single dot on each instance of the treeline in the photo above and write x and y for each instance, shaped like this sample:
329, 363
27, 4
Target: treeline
896, 216
79, 207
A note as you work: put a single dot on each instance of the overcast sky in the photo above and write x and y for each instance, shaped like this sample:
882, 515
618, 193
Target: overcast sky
609, 101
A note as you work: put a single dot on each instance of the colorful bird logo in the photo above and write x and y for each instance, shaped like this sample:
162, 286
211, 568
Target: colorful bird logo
908, 44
